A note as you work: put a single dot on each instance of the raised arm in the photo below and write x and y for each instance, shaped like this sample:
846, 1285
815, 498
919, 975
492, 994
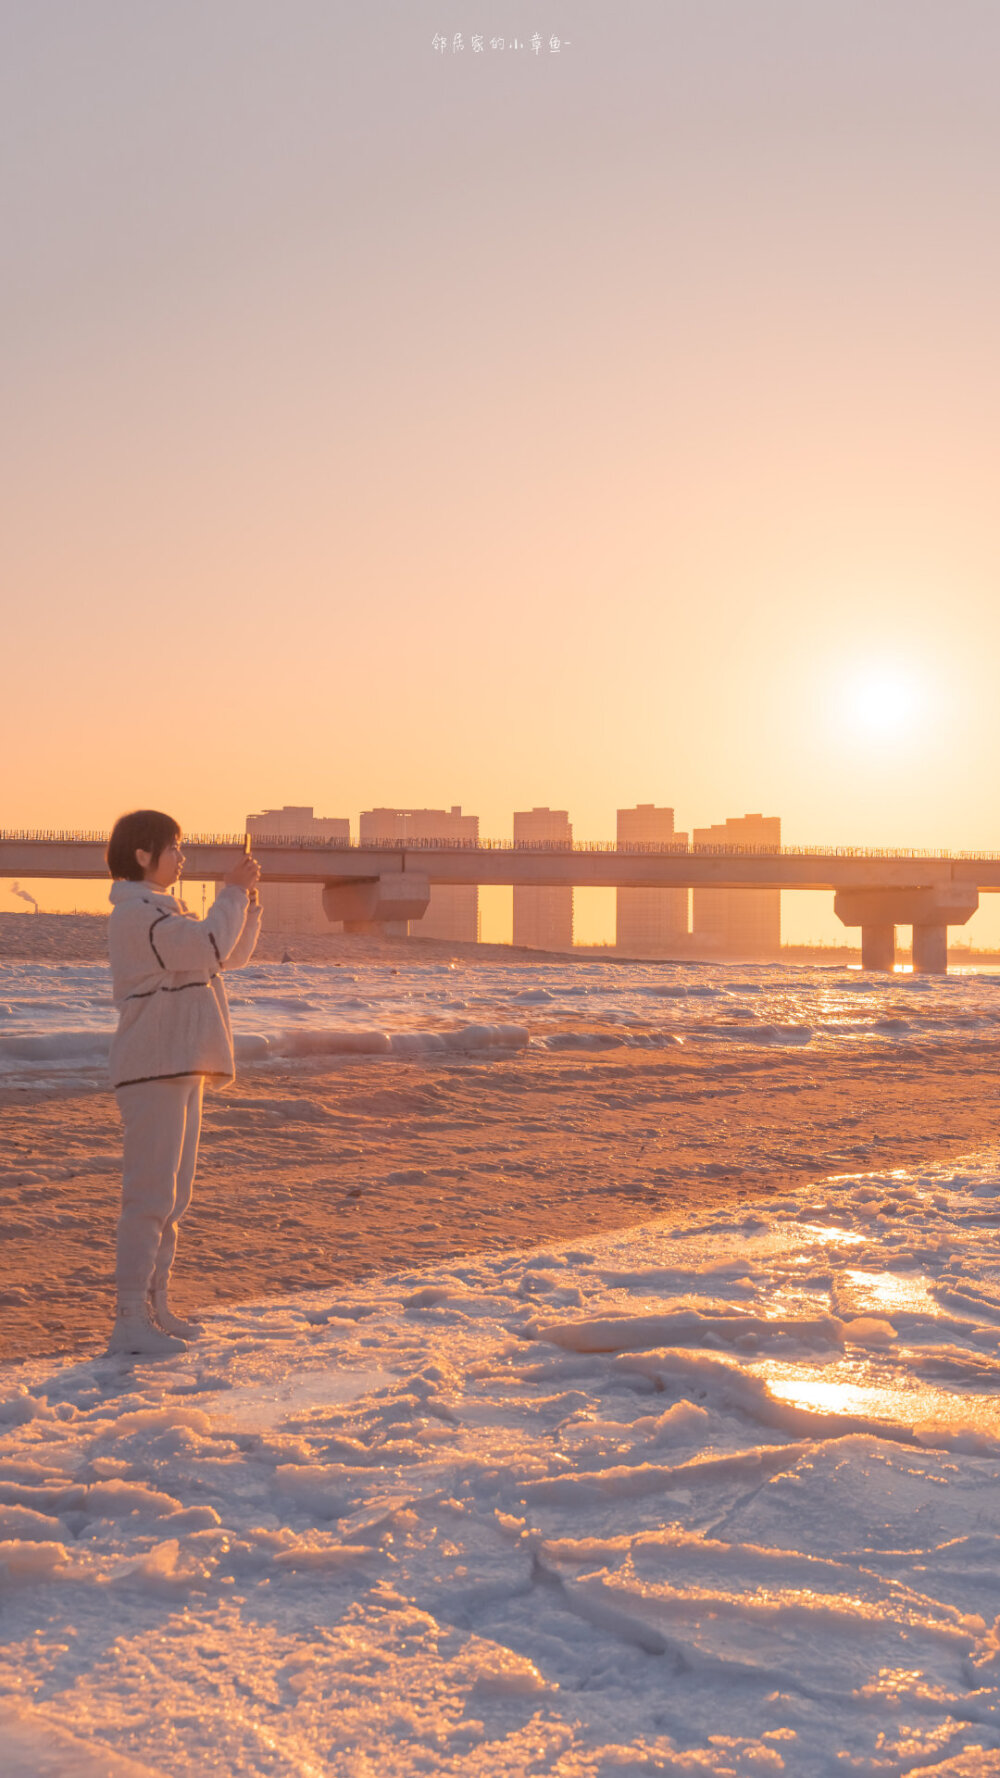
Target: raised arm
246, 944
182, 944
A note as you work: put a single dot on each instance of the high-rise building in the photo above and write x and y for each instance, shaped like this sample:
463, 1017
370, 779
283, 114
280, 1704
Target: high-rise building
296, 907
453, 910
650, 922
744, 923
543, 917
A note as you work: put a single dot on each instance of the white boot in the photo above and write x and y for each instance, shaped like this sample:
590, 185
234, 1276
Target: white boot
135, 1333
165, 1318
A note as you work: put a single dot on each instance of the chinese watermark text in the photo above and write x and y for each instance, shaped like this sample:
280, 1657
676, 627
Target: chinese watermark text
478, 44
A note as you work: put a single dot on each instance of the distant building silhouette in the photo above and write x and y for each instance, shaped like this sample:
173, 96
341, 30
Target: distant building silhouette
650, 922
743, 923
453, 910
296, 907
543, 918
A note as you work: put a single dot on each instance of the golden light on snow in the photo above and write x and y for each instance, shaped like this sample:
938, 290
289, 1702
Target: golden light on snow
875, 1394
822, 1233
883, 1293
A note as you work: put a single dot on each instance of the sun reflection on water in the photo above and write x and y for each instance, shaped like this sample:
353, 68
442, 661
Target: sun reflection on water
818, 1232
887, 1293
854, 1389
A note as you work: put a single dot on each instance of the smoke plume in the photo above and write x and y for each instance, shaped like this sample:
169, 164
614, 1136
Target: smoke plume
16, 889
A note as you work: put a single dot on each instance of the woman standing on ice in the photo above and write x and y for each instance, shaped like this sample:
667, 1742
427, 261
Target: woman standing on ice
173, 1036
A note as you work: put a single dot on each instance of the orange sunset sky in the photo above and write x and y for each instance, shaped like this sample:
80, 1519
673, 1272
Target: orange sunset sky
602, 425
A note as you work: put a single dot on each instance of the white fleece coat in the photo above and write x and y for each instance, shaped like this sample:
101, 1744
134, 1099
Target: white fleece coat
166, 973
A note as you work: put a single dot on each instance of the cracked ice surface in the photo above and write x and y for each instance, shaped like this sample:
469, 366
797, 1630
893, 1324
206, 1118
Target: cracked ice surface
720, 1499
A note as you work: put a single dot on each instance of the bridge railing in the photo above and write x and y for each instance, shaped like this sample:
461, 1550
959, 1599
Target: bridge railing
318, 843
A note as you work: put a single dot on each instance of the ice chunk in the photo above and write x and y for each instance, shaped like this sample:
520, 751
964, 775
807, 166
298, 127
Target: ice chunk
346, 1042
417, 1043
869, 1330
36, 1747
487, 1037
18, 1522
629, 1333
24, 1562
117, 1499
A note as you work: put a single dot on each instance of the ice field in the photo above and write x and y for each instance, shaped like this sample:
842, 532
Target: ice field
719, 1499
58, 1017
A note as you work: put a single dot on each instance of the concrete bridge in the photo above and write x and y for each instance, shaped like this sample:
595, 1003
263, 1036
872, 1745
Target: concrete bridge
385, 881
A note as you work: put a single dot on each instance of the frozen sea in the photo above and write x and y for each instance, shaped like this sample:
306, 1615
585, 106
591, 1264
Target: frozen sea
712, 1499
58, 1017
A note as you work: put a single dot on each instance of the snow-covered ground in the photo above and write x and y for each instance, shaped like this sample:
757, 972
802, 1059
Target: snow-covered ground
720, 1499
59, 1017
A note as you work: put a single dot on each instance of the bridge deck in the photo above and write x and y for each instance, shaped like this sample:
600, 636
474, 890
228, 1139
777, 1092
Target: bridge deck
284, 860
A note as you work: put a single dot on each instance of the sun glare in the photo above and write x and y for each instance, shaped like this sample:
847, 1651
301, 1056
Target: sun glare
883, 701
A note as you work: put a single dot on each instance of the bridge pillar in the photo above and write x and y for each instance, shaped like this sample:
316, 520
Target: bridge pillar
378, 905
930, 911
930, 950
878, 947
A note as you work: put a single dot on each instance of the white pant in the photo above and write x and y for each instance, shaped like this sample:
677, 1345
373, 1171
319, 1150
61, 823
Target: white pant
162, 1120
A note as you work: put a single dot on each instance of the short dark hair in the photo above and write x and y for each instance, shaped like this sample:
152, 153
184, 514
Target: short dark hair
144, 830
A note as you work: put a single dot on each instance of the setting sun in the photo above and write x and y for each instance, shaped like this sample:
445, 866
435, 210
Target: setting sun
883, 702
